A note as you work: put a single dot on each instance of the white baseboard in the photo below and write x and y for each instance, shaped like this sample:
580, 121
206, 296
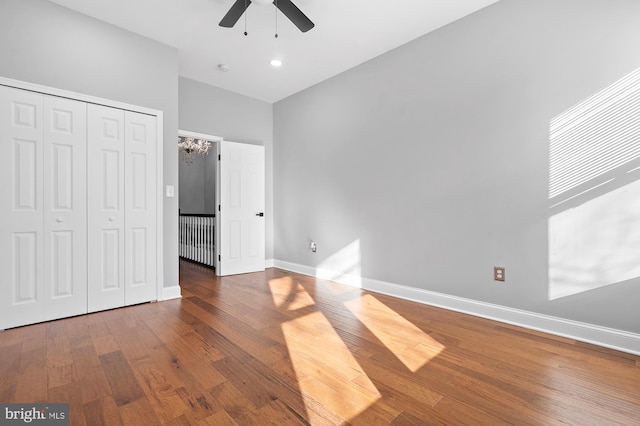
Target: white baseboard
269, 263
602, 336
169, 293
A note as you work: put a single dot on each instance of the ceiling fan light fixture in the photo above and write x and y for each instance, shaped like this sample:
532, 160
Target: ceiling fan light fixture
276, 63
262, 2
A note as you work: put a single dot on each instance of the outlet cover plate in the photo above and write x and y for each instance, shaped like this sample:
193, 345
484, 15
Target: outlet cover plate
498, 273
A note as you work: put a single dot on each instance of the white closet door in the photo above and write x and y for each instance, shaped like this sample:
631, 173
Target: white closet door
21, 209
65, 211
140, 208
105, 196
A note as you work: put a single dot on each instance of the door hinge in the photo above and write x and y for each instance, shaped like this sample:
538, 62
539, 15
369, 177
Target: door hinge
219, 258
219, 207
218, 157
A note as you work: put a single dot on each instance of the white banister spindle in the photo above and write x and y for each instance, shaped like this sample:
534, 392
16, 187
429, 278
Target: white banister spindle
197, 237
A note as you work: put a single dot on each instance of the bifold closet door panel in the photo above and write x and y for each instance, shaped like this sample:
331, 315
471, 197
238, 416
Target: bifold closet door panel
65, 207
140, 208
78, 218
21, 209
105, 207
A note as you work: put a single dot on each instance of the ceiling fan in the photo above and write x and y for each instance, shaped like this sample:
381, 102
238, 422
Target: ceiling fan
289, 10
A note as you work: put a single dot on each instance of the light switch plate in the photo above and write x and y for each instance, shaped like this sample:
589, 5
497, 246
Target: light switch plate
170, 191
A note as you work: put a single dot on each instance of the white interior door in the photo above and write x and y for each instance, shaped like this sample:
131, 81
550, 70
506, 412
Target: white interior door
105, 204
65, 207
21, 209
140, 208
242, 186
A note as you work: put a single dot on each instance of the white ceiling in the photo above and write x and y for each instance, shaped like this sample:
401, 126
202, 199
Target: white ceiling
347, 33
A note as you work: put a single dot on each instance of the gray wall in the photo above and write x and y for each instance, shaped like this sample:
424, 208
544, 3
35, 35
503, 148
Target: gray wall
237, 118
197, 184
43, 43
192, 184
431, 162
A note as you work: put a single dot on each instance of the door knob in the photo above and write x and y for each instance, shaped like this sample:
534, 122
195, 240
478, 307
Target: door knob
261, 214
111, 218
59, 219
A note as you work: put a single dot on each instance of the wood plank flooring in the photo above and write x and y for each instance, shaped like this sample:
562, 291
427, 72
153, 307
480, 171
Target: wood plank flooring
286, 349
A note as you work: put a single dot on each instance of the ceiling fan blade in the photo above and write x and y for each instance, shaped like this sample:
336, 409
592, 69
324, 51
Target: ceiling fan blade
234, 13
294, 14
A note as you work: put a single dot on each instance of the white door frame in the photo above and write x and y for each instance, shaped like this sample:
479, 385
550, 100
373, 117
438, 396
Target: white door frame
159, 158
216, 142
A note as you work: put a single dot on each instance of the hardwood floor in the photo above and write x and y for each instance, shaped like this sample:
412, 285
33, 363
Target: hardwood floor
281, 348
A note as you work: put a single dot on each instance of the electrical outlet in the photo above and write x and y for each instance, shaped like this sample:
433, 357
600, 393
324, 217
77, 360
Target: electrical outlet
498, 273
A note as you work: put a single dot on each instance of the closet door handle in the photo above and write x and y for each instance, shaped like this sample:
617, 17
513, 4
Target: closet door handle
261, 214
111, 218
59, 219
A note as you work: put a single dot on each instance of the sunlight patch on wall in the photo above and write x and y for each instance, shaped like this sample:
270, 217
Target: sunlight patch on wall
412, 346
344, 266
328, 370
596, 243
595, 136
594, 194
288, 294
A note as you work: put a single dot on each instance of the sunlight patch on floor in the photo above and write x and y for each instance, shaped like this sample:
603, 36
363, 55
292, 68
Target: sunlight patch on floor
334, 288
412, 346
329, 370
289, 295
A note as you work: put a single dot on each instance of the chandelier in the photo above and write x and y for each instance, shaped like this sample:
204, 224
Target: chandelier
192, 146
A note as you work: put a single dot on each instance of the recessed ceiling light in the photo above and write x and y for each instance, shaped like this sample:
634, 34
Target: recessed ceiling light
223, 67
276, 62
